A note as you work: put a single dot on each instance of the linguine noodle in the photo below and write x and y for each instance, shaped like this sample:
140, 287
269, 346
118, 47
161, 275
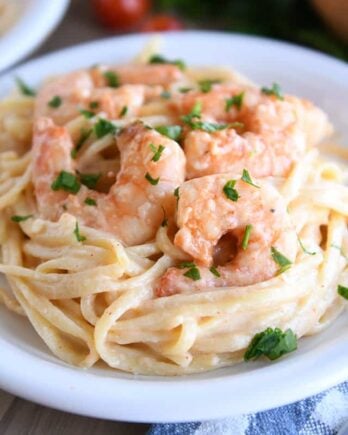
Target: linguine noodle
95, 299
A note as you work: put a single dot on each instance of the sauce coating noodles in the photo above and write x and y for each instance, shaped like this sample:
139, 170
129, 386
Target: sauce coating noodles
94, 239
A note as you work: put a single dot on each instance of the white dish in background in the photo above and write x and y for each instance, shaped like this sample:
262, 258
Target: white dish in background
35, 21
29, 370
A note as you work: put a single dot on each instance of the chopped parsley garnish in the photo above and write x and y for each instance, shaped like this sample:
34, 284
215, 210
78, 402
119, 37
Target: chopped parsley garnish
342, 291
195, 113
157, 152
85, 134
246, 236
94, 104
156, 58
171, 131
193, 271
272, 343
177, 194
87, 113
90, 201
214, 271
274, 90
90, 180
236, 100
112, 79
303, 248
123, 111
192, 119
184, 90
166, 95
247, 179
24, 88
104, 127
79, 237
193, 274
283, 262
153, 181
230, 191
211, 127
66, 181
18, 218
207, 84
55, 102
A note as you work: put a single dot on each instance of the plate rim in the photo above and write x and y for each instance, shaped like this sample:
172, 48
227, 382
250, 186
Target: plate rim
68, 395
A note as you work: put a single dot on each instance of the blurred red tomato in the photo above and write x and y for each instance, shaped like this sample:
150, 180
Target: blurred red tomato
121, 14
161, 23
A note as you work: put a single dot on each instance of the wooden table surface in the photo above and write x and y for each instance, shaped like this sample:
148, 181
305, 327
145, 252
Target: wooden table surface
18, 416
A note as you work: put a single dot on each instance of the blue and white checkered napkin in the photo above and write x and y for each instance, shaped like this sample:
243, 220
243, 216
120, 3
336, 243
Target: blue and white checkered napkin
323, 414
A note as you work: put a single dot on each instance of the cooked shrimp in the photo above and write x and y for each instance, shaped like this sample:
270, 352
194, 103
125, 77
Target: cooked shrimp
76, 91
162, 74
206, 215
133, 209
276, 132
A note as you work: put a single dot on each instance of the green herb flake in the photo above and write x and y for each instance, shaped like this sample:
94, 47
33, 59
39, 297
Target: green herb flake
90, 180
177, 194
87, 113
153, 181
85, 134
55, 102
24, 88
193, 274
230, 191
214, 271
166, 95
157, 152
342, 291
123, 112
247, 179
104, 127
211, 127
184, 90
303, 248
171, 131
283, 262
79, 237
195, 113
112, 79
272, 343
274, 90
90, 201
66, 181
158, 59
246, 236
94, 105
207, 84
18, 218
236, 100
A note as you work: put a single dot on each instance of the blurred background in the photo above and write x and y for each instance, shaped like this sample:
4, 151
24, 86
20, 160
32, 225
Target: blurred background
319, 24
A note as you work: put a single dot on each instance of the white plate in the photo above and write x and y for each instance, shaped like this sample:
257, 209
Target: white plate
29, 370
36, 20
